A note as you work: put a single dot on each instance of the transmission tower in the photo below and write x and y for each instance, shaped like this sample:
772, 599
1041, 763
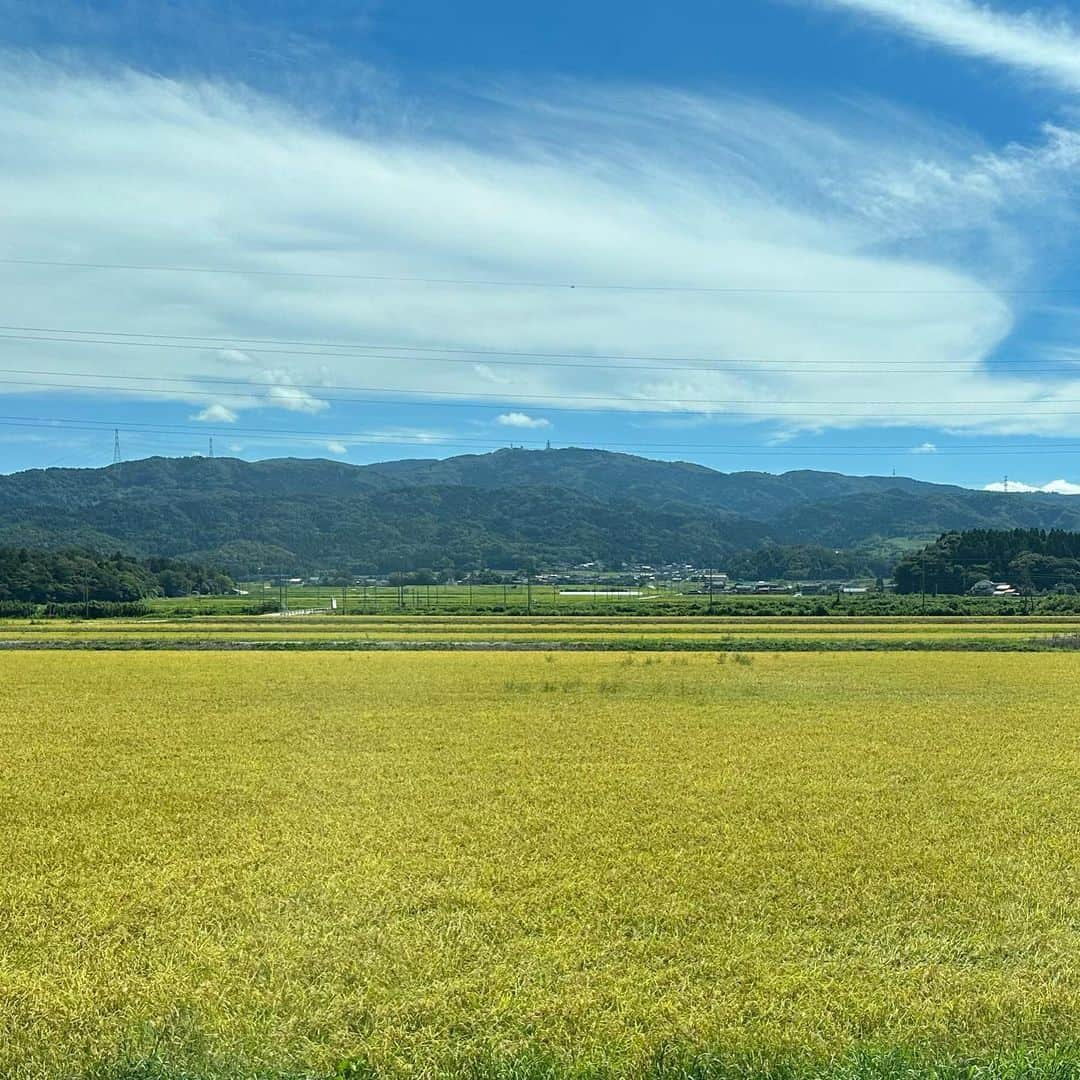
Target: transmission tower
116, 446
211, 446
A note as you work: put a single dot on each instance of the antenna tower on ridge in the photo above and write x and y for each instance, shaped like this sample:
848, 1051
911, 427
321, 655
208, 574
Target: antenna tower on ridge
116, 446
211, 445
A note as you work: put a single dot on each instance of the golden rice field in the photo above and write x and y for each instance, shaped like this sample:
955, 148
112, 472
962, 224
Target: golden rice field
684, 632
226, 865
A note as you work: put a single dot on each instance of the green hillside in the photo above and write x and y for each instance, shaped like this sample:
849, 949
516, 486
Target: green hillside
505, 509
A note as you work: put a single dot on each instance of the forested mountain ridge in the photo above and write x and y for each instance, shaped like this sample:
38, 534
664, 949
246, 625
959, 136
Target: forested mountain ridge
505, 509
597, 473
603, 474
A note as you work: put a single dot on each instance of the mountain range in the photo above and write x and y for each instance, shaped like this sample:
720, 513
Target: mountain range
505, 509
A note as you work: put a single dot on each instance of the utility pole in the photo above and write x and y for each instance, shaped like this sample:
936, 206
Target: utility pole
116, 446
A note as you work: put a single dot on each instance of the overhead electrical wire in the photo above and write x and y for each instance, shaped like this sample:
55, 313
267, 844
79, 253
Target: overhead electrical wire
313, 436
678, 405
522, 284
461, 355
332, 350
403, 353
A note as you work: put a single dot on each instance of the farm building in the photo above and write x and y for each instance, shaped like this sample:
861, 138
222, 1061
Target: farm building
993, 588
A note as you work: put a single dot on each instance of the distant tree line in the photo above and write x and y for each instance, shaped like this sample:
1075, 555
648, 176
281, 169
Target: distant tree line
777, 562
75, 576
1033, 560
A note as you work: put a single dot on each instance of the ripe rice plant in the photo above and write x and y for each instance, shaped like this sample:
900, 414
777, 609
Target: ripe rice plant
310, 865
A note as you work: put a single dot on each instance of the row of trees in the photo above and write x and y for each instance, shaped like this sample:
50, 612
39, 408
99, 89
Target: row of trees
1033, 560
778, 562
76, 576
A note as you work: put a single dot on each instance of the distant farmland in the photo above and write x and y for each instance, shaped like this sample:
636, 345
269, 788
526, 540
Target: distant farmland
671, 633
302, 865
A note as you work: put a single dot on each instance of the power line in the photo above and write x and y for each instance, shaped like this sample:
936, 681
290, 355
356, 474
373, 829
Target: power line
533, 284
406, 279
613, 364
470, 398
372, 351
182, 432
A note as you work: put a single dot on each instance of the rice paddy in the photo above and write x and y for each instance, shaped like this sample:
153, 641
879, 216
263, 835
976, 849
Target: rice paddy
226, 865
809, 633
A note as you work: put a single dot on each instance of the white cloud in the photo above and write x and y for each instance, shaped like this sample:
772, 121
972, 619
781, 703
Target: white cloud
337, 448
1054, 487
925, 448
296, 399
216, 414
910, 201
234, 356
1049, 46
584, 186
408, 435
522, 420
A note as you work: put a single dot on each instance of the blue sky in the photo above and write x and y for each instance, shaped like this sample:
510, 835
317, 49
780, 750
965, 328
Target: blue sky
835, 234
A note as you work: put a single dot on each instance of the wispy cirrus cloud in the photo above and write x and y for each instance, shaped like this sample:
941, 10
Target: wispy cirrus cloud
842, 271
1046, 45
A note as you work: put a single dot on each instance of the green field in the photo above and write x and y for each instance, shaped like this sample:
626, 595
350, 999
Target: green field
458, 599
226, 865
665, 600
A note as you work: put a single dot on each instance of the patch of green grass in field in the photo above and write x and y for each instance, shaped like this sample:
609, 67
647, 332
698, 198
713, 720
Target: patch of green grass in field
229, 866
